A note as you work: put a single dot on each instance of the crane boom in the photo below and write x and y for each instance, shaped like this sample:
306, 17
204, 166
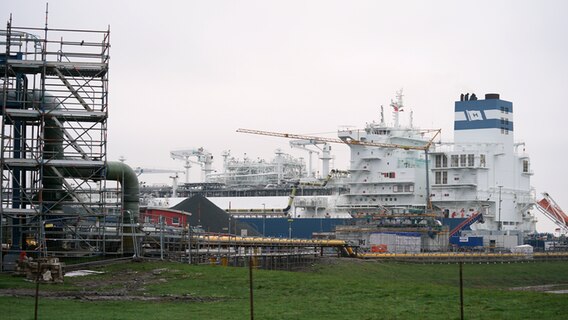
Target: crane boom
424, 147
139, 170
204, 158
335, 140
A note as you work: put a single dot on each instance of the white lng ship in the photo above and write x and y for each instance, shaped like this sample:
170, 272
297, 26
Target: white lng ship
399, 175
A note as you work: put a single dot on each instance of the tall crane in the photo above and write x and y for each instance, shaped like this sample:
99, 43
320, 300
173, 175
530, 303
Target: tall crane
204, 158
423, 147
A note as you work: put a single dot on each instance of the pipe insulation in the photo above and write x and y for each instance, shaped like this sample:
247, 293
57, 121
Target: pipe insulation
123, 173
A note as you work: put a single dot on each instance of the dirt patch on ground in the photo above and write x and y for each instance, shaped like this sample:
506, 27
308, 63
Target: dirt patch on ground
126, 285
102, 296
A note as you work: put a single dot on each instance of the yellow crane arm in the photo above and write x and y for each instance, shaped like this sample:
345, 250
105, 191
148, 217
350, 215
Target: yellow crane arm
335, 140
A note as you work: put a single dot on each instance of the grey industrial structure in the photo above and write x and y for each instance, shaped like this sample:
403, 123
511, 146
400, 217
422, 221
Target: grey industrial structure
55, 193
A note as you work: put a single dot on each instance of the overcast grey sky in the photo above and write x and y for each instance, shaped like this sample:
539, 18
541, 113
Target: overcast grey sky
187, 74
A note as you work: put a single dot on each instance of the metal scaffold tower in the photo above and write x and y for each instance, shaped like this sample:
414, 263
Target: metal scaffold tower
54, 99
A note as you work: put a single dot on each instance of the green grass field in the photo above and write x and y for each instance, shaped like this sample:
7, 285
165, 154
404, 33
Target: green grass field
337, 289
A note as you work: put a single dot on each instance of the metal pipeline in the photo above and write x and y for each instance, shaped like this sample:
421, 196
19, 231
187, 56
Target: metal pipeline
291, 198
53, 138
317, 184
123, 173
226, 239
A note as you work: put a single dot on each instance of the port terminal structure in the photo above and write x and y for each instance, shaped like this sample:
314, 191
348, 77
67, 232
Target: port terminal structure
193, 246
59, 195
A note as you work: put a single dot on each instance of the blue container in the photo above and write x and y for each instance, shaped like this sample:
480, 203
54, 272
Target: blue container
299, 228
467, 241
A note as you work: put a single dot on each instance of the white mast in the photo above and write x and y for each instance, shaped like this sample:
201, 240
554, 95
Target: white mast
397, 107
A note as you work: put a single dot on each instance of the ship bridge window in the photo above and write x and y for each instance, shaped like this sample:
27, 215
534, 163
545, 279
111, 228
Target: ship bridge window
525, 166
441, 161
462, 160
454, 160
482, 160
470, 160
441, 177
390, 175
403, 188
380, 132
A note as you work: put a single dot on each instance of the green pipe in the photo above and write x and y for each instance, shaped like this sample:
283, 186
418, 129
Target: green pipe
53, 149
123, 173
115, 171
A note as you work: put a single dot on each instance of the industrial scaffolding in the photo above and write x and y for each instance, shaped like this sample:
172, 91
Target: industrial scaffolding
54, 196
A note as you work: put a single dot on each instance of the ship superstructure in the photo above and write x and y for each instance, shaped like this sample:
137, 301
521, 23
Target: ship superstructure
484, 170
386, 177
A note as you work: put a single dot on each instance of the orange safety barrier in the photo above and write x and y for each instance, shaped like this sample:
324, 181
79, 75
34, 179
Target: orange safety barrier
381, 248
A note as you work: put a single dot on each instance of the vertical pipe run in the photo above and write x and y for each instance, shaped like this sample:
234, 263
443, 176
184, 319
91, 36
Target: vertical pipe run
428, 199
499, 225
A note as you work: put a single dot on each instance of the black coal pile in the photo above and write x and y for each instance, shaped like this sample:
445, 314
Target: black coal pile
212, 218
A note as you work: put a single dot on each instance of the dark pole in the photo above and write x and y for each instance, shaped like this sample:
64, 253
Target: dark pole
499, 225
250, 285
189, 243
263, 219
428, 199
461, 290
37, 288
